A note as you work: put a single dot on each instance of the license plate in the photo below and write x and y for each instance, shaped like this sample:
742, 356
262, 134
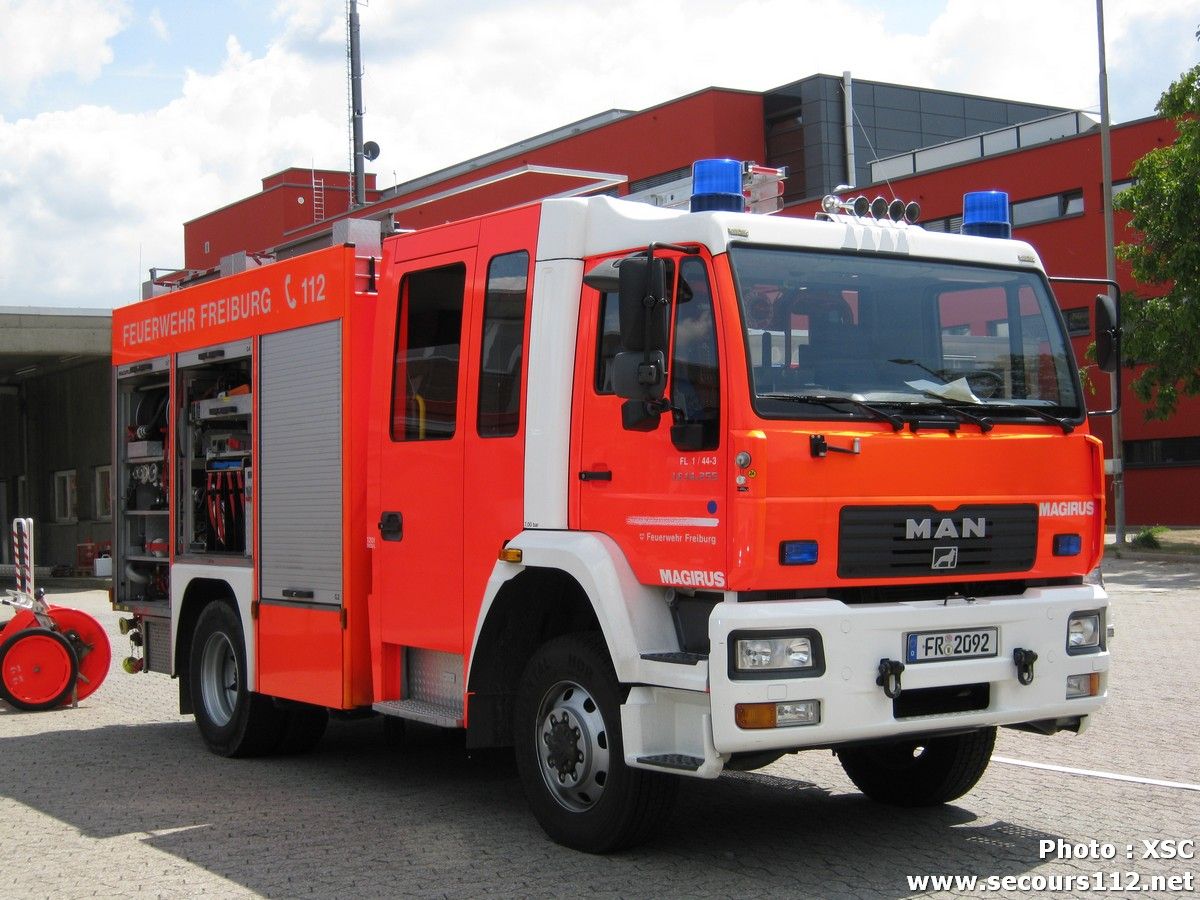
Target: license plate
928, 646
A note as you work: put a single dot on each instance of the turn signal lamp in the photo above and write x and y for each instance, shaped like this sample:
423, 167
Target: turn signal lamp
985, 214
511, 554
1083, 685
777, 715
717, 185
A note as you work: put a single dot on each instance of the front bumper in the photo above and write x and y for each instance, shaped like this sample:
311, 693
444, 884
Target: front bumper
856, 638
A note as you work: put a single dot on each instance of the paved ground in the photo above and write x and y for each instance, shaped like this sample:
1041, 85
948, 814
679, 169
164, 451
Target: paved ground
119, 798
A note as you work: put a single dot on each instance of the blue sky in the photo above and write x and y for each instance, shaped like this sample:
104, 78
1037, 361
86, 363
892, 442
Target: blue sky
121, 119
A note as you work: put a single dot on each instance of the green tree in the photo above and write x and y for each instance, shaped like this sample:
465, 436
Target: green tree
1163, 332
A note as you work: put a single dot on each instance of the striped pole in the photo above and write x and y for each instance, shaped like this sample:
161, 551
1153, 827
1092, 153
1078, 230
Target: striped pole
22, 538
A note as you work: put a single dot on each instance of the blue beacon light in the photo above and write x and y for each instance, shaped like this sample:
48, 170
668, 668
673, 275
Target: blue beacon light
985, 214
717, 185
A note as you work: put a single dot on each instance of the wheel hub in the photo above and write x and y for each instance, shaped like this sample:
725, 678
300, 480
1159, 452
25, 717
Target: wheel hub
562, 743
573, 738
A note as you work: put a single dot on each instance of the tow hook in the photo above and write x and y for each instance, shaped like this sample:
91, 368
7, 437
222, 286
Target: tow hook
889, 677
1024, 660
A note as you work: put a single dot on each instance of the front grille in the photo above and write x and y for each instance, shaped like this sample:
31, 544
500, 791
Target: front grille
920, 541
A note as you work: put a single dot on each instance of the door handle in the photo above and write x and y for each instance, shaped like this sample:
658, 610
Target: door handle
597, 475
391, 526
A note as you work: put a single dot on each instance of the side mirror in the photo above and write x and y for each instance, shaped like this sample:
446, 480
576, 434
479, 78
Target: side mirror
643, 304
641, 378
1108, 334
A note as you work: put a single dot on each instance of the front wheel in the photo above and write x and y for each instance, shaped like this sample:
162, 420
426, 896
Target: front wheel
233, 720
566, 729
920, 772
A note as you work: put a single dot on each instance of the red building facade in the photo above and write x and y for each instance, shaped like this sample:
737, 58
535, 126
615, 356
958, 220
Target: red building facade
1054, 187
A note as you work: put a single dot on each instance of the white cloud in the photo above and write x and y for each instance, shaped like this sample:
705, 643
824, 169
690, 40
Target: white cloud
42, 38
158, 25
83, 190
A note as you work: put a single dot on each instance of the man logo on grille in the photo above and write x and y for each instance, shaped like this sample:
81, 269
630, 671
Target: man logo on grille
944, 558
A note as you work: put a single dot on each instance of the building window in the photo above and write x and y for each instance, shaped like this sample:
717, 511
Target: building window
65, 496
946, 225
1079, 322
653, 181
1120, 187
1046, 209
1180, 451
102, 500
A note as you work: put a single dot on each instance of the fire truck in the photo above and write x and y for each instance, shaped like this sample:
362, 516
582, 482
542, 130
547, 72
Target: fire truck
641, 493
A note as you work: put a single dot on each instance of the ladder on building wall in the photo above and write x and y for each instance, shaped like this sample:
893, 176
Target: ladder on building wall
318, 205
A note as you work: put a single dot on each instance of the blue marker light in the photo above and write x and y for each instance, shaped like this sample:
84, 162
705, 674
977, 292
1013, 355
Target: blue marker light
797, 553
985, 214
717, 185
1067, 544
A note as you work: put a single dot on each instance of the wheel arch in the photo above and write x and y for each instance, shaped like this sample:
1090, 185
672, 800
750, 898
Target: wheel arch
566, 582
535, 606
195, 593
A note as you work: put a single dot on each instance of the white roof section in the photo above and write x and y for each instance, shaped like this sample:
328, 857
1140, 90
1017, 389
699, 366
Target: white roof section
584, 227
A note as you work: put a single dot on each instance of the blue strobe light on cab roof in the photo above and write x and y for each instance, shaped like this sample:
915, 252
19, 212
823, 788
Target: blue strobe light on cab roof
985, 214
717, 185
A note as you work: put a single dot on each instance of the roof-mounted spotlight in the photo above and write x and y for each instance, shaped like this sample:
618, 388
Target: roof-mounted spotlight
895, 210
912, 212
879, 208
861, 206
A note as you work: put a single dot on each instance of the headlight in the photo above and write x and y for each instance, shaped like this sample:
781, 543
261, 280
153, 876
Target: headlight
774, 655
1083, 632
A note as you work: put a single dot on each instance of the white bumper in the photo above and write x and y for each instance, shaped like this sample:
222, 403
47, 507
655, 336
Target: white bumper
856, 638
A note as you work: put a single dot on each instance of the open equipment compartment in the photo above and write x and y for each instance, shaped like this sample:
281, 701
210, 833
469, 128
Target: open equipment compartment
141, 545
215, 414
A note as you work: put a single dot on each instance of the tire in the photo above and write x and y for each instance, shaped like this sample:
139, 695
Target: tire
567, 737
232, 720
920, 772
304, 726
38, 669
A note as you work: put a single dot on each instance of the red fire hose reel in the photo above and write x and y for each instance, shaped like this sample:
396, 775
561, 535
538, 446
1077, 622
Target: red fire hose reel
49, 655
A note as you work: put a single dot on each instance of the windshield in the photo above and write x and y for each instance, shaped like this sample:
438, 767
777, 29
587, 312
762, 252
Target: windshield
822, 326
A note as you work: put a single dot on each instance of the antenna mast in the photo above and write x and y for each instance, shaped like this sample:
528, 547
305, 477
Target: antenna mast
354, 62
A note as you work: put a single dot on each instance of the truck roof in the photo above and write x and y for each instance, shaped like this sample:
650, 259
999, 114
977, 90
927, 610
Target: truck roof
578, 228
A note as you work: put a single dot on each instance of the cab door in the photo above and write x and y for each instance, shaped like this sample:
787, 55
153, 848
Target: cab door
418, 558
660, 494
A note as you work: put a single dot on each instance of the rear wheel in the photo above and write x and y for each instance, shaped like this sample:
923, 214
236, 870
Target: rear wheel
38, 669
920, 772
570, 756
233, 720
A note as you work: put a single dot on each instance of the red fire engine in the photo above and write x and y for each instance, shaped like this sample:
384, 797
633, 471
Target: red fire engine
642, 493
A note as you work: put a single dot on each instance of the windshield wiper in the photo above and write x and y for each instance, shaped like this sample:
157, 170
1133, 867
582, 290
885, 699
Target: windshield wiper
828, 400
985, 424
1066, 426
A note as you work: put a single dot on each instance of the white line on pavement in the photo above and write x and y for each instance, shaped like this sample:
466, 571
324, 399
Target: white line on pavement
1112, 776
